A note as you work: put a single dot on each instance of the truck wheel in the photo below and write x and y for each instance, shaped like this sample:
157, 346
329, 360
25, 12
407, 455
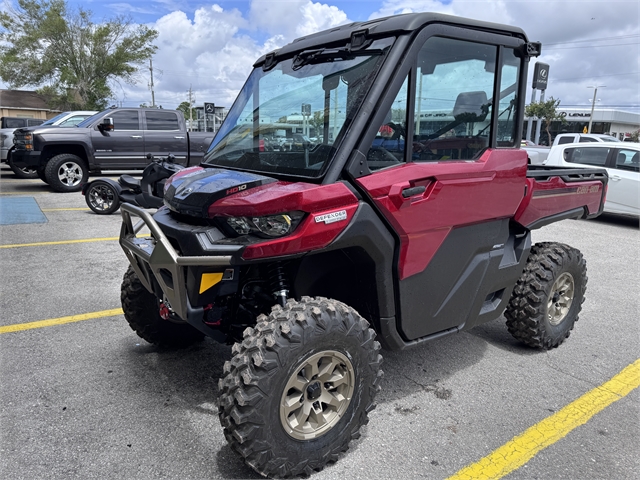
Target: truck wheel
299, 387
102, 198
66, 173
142, 311
548, 297
24, 172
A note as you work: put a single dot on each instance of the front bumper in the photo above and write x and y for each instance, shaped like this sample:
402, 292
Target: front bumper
156, 261
25, 159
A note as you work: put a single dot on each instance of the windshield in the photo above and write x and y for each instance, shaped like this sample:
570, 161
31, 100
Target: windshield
290, 118
89, 120
56, 118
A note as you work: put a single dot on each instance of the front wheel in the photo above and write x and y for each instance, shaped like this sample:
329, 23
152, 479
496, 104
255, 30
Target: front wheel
548, 297
142, 312
299, 387
24, 172
66, 173
102, 198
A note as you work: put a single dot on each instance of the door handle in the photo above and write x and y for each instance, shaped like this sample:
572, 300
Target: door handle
401, 194
136, 136
410, 192
179, 138
615, 177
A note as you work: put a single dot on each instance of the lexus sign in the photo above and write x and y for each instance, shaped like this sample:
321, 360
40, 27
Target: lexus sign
540, 76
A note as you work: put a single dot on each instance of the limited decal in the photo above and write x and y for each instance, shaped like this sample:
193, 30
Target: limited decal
332, 217
237, 189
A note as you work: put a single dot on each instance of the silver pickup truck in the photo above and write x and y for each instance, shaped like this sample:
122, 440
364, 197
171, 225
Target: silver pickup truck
114, 139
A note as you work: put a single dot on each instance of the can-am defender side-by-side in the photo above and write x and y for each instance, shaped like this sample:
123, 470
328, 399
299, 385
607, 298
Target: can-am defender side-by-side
406, 216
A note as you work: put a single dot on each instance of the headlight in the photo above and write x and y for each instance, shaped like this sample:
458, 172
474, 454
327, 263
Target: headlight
271, 226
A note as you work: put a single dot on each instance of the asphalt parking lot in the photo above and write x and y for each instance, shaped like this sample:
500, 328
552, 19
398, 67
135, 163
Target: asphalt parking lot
81, 396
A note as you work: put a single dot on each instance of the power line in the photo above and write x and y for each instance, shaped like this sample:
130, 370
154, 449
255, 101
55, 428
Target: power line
597, 76
593, 46
593, 39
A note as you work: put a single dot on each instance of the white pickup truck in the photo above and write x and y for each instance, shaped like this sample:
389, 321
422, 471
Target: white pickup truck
537, 154
563, 138
64, 119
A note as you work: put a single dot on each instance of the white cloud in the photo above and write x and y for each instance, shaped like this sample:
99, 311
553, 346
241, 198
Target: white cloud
556, 25
213, 52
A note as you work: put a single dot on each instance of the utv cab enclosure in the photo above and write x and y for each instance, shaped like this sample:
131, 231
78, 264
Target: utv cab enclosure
407, 218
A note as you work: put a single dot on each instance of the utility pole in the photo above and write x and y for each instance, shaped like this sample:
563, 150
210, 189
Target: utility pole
190, 108
593, 104
153, 94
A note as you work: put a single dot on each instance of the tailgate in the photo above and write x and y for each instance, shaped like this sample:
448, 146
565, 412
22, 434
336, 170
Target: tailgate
557, 193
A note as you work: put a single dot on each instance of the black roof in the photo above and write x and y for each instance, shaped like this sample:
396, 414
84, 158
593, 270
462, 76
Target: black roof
381, 27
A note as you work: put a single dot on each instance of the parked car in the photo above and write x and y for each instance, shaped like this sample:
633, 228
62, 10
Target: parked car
536, 154
564, 138
115, 139
622, 162
65, 119
18, 122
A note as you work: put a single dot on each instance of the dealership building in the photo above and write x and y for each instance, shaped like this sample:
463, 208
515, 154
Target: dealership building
617, 123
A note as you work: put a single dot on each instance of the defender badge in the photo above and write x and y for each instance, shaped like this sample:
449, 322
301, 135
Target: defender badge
332, 217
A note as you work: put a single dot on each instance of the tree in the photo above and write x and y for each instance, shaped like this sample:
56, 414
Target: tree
317, 122
635, 136
184, 108
547, 111
74, 61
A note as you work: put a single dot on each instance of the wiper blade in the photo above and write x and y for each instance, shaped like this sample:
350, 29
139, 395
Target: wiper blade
322, 55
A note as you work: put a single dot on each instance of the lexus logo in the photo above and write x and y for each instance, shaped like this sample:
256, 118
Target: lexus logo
543, 74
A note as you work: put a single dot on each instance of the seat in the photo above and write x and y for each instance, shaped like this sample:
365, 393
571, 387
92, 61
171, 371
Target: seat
128, 181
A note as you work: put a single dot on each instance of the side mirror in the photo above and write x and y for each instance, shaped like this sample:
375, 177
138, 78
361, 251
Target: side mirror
107, 125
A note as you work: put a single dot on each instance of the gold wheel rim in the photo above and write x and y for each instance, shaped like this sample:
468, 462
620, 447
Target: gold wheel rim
317, 394
560, 299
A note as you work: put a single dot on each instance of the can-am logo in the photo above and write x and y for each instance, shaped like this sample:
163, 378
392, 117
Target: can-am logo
237, 189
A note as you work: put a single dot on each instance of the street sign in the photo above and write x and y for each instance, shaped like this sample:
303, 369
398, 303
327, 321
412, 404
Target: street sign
540, 76
210, 108
306, 109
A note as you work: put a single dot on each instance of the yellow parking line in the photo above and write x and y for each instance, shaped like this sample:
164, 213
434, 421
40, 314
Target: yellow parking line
59, 321
522, 448
62, 242
64, 209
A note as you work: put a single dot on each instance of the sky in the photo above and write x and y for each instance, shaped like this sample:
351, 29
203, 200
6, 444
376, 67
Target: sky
210, 47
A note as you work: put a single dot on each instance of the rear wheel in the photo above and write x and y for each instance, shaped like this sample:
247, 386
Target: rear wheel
548, 297
102, 198
299, 387
24, 172
142, 311
66, 173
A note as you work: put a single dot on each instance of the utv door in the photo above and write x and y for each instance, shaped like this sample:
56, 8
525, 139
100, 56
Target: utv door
446, 176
